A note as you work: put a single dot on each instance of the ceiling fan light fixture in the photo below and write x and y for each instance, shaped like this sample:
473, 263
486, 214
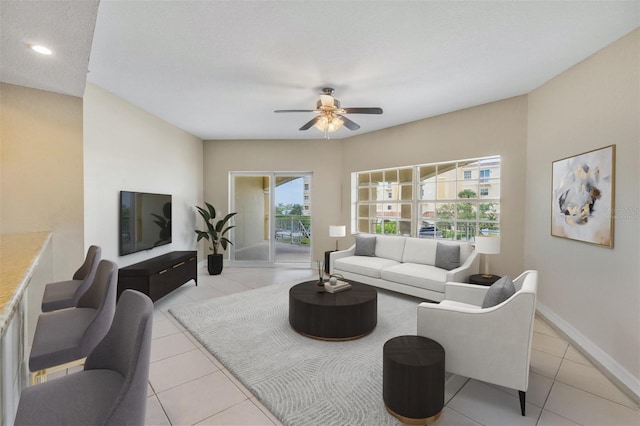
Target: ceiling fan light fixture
335, 124
329, 123
330, 115
322, 124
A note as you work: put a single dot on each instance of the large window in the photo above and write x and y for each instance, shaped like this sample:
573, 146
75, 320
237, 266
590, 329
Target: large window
452, 200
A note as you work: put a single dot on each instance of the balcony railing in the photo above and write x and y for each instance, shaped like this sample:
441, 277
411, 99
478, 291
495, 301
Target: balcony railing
293, 229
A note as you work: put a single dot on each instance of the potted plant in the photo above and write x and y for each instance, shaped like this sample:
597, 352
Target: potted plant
215, 234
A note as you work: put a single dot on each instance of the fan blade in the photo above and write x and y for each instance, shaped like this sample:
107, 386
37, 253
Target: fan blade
295, 110
363, 110
349, 124
310, 123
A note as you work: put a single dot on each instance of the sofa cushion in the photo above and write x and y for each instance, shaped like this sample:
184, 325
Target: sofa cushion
417, 275
365, 245
390, 247
447, 256
499, 291
420, 250
465, 251
363, 265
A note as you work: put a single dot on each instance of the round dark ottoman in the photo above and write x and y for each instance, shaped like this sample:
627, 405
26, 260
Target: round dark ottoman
413, 378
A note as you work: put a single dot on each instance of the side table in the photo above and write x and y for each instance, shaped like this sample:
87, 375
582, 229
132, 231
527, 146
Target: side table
327, 255
413, 379
482, 279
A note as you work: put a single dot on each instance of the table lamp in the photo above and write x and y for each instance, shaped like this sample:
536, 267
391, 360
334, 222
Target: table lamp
487, 245
337, 231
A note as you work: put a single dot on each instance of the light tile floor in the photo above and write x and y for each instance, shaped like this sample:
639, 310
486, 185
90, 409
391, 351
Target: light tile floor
187, 385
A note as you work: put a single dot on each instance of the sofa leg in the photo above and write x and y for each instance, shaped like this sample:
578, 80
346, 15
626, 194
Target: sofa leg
522, 395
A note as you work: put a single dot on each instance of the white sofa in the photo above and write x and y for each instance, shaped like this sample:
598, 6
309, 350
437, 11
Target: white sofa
405, 265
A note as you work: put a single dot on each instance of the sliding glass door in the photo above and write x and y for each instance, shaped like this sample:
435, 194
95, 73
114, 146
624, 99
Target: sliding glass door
292, 219
251, 199
273, 224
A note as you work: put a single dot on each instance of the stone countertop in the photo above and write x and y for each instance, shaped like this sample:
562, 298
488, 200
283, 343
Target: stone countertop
19, 255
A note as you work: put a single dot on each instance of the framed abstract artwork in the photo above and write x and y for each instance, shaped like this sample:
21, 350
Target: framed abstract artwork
583, 189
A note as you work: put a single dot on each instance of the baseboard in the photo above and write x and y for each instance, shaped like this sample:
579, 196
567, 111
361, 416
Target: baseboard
610, 367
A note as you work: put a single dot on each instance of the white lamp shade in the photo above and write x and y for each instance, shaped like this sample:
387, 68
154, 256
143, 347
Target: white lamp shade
487, 245
337, 230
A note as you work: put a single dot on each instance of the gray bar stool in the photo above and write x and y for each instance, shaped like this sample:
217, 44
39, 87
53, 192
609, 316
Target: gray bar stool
67, 336
65, 294
112, 388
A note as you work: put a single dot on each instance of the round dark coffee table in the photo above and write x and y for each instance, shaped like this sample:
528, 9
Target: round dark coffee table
346, 315
413, 379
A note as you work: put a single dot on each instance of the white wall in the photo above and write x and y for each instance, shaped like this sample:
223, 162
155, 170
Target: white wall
590, 291
41, 172
126, 148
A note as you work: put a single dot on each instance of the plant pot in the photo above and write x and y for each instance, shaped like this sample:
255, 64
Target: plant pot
214, 264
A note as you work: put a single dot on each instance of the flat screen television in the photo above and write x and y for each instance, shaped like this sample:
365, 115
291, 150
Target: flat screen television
145, 221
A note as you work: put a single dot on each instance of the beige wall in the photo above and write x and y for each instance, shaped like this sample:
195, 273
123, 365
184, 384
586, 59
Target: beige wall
590, 289
128, 149
498, 128
42, 170
320, 157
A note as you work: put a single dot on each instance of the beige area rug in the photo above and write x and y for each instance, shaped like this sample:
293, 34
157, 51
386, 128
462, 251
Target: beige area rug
302, 381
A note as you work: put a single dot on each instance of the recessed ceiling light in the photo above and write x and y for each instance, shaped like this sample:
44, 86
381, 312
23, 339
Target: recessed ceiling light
41, 49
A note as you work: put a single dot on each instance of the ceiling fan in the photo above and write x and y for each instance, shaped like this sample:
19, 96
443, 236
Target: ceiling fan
330, 115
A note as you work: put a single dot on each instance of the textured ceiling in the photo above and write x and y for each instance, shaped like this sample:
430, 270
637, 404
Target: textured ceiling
65, 26
218, 69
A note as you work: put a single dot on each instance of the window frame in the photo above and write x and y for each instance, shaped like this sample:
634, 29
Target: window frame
422, 201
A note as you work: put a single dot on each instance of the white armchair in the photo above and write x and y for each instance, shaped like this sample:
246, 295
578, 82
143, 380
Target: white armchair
491, 344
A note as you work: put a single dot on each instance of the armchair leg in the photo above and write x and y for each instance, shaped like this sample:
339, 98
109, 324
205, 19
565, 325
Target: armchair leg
522, 395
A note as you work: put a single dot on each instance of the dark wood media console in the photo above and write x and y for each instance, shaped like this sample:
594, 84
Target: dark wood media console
161, 275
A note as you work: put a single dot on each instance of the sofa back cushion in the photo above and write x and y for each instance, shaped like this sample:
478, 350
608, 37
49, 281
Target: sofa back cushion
465, 251
390, 247
420, 250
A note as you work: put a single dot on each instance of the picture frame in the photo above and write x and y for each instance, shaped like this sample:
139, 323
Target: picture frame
583, 196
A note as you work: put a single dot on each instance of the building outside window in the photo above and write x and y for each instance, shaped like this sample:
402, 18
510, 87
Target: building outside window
439, 200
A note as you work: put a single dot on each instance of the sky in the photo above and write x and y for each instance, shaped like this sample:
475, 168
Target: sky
290, 192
